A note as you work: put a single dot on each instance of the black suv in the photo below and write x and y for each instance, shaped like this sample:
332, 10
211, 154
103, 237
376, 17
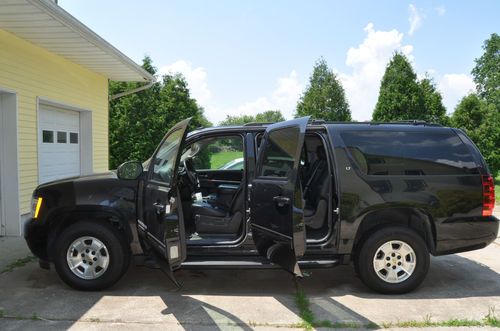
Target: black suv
294, 194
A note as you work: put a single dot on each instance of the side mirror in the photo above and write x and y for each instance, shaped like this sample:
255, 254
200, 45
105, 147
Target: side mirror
129, 170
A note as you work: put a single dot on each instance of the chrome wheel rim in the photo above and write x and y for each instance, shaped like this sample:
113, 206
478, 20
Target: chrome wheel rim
88, 257
394, 261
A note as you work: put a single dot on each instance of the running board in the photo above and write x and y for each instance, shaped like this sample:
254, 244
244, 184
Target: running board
252, 263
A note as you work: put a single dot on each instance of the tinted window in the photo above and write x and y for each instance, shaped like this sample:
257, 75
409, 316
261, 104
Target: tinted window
164, 161
47, 136
279, 152
61, 137
73, 138
409, 153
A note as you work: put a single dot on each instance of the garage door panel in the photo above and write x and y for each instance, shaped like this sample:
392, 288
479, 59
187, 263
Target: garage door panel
59, 143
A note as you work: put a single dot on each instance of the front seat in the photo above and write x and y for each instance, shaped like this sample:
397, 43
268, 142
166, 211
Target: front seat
316, 192
210, 219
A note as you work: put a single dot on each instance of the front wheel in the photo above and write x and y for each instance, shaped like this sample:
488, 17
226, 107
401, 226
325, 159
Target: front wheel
91, 255
393, 260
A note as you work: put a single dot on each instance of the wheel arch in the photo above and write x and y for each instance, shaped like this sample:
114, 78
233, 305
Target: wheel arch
62, 218
412, 218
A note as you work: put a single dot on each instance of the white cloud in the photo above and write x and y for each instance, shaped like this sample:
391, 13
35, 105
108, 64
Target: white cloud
195, 77
415, 19
283, 98
368, 62
440, 10
453, 88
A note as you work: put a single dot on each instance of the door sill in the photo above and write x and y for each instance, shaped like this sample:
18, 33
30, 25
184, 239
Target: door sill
251, 262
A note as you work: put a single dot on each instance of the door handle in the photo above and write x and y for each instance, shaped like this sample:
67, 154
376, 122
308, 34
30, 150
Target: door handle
281, 201
203, 176
159, 208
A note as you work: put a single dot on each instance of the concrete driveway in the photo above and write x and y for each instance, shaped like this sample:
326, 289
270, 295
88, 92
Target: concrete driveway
462, 286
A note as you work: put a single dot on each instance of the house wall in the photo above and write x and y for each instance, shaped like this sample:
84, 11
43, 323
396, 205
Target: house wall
34, 73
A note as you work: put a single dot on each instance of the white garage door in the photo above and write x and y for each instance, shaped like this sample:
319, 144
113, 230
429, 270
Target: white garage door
59, 143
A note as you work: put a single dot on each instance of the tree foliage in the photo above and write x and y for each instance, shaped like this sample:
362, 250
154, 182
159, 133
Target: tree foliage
138, 122
399, 96
486, 73
433, 109
478, 114
481, 121
324, 97
269, 116
403, 97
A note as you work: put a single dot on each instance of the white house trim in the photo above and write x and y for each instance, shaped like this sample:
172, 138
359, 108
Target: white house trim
9, 160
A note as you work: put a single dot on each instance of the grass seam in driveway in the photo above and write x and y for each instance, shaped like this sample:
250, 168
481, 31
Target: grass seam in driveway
18, 263
309, 321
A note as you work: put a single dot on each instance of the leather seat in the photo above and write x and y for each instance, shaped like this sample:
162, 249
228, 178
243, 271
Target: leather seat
211, 219
205, 208
316, 192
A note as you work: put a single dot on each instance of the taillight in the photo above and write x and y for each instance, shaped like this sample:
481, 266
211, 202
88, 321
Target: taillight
488, 195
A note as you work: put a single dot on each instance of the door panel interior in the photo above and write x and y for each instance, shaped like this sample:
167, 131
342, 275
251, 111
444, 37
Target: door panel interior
210, 180
276, 202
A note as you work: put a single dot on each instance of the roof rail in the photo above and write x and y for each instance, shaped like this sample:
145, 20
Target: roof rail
413, 122
258, 123
317, 121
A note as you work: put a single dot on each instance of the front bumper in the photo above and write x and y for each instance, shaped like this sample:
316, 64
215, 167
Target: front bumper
36, 236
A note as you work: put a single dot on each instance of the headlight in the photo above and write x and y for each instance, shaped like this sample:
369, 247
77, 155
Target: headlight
36, 204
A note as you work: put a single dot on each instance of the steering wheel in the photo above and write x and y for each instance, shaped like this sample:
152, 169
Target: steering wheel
191, 174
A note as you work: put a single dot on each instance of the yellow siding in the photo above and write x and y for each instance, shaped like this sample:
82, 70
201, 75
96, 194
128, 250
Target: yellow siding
33, 72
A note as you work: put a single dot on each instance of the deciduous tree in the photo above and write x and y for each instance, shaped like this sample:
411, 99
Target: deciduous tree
137, 122
486, 73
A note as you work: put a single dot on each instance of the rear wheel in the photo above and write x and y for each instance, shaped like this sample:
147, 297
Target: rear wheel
91, 256
393, 260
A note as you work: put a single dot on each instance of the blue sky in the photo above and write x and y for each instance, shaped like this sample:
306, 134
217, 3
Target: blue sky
243, 57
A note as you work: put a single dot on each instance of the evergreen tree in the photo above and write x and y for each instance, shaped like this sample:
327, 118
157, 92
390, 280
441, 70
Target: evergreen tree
324, 97
400, 96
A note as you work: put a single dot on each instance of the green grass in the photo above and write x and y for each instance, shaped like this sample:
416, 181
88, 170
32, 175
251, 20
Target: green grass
217, 160
18, 263
491, 319
305, 312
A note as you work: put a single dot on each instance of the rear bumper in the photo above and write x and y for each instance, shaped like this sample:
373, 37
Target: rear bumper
35, 235
466, 235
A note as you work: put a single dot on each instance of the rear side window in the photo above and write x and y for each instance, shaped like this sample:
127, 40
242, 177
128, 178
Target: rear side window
410, 153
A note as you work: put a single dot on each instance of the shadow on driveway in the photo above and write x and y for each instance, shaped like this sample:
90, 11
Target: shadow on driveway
216, 299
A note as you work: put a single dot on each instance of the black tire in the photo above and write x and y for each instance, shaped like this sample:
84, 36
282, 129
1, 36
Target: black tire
365, 260
117, 248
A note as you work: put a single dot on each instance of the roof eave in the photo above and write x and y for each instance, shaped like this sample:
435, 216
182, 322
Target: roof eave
68, 20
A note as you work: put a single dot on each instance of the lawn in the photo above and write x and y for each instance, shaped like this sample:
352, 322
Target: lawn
217, 160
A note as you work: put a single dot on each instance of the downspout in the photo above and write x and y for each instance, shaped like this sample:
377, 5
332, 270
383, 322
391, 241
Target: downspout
138, 89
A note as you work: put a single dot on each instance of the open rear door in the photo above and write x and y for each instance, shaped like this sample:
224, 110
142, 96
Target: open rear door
276, 203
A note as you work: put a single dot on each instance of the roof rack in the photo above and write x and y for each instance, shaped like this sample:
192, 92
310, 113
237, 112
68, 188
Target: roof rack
399, 122
412, 122
258, 123
321, 121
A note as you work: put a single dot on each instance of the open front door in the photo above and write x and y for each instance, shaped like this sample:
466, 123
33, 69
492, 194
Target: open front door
276, 203
161, 203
